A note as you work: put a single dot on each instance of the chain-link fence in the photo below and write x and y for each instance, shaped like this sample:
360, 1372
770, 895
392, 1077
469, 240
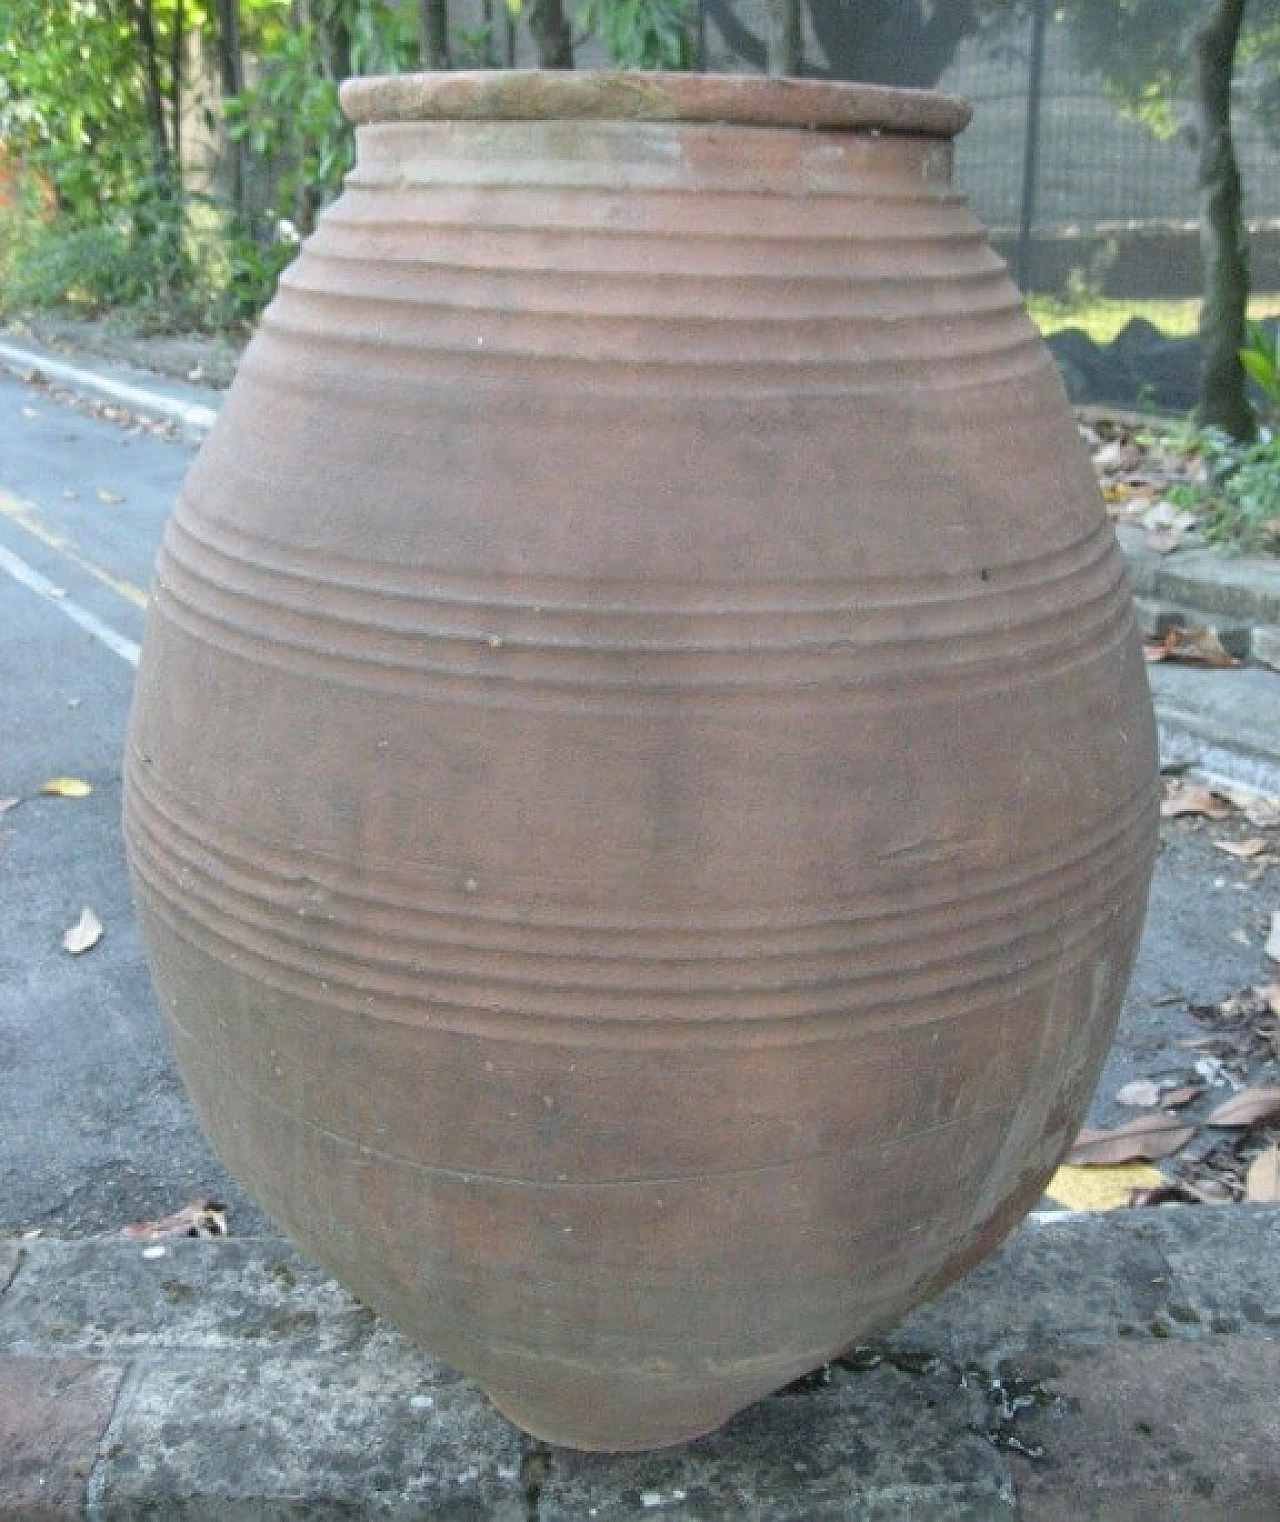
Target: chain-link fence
1076, 186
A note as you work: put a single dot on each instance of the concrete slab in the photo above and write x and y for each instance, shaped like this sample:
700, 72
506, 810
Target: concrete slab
53, 1413
1242, 589
1086, 1280
254, 1434
113, 1296
1223, 1266
876, 1444
1224, 722
1155, 1431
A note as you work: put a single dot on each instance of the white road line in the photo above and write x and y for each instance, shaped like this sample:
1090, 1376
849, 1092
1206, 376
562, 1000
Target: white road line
27, 576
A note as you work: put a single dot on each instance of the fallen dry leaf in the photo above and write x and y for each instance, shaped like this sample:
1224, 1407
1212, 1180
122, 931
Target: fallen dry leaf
201, 1218
1193, 798
1250, 1107
1270, 996
1260, 809
66, 787
1174, 1194
1101, 1188
111, 498
1150, 1136
1262, 1182
84, 934
1245, 849
1205, 647
1176, 1098
1192, 647
1118, 454
1142, 1093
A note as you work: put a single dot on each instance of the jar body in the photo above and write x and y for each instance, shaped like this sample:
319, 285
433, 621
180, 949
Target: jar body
642, 785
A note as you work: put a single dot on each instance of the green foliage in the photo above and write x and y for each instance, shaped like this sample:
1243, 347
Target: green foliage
642, 34
1239, 506
90, 101
291, 118
71, 99
1245, 509
474, 47
252, 268
1260, 363
1142, 50
145, 256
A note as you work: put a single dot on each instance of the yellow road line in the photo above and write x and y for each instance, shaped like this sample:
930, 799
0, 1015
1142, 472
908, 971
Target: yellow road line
23, 515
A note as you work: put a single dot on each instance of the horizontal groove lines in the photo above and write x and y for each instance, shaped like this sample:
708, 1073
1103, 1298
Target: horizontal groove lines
681, 330
781, 306
385, 944
450, 638
863, 289
422, 238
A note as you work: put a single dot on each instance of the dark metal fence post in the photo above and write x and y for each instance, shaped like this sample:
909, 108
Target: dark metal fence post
1031, 147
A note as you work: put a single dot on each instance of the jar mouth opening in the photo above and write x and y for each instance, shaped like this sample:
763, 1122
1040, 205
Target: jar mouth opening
616, 95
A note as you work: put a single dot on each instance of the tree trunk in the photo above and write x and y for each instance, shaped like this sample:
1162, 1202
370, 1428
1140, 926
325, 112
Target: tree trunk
1223, 241
786, 37
551, 33
433, 33
231, 79
333, 37
144, 23
177, 45
490, 35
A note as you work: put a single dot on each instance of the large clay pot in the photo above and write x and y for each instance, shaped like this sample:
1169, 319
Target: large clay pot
642, 785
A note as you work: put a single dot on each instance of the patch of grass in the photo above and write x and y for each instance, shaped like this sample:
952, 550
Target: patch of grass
1102, 317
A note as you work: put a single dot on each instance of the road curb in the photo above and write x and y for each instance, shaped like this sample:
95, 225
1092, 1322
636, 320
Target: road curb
246, 1384
1237, 597
195, 417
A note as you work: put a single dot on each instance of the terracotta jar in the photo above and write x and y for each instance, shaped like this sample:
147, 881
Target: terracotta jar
642, 785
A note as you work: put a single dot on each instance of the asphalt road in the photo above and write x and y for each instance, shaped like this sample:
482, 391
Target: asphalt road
95, 1130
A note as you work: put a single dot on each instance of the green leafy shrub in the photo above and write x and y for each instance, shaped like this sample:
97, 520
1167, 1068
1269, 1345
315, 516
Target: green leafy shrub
642, 34
1242, 502
1260, 362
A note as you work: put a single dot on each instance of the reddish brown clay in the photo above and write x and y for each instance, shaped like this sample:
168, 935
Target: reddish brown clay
642, 786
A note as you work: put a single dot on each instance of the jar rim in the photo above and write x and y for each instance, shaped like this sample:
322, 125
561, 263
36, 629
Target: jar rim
625, 95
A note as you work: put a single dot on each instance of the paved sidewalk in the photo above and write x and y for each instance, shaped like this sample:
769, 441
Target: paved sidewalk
1120, 1367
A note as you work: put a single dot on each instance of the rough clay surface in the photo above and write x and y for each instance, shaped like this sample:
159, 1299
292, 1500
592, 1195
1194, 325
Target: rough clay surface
528, 94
